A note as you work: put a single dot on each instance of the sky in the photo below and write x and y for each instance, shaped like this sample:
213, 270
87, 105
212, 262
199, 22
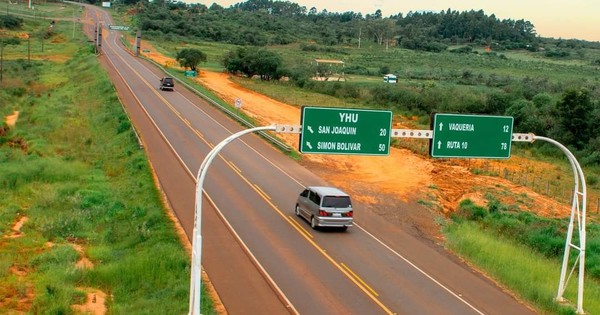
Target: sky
578, 19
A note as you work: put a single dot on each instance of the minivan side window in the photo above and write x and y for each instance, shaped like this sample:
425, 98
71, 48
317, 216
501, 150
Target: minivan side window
304, 193
315, 198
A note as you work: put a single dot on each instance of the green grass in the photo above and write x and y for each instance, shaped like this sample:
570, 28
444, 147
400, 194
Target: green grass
58, 48
531, 276
74, 168
40, 10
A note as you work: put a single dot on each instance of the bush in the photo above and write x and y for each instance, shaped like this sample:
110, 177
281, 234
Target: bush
592, 180
357, 69
556, 53
469, 211
309, 47
10, 22
462, 50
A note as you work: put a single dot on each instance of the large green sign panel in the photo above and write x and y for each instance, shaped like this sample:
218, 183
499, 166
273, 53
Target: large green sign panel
471, 136
345, 131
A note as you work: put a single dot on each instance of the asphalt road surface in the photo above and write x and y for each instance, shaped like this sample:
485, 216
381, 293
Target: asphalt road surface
260, 257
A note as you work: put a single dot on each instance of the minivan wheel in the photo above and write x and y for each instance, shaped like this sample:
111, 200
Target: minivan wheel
313, 222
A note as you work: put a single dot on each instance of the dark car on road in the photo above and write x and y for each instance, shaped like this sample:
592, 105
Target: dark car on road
167, 83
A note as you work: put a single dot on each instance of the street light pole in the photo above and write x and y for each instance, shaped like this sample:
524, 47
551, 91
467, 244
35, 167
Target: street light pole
196, 279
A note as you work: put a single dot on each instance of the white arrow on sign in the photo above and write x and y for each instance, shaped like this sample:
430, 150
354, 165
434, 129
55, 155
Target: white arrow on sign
441, 125
439, 145
308, 145
310, 129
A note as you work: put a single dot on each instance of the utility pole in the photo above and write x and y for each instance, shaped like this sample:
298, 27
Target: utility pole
73, 22
1, 59
359, 35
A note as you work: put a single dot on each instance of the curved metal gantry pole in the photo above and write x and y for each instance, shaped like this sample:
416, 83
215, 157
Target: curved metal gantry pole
578, 211
196, 278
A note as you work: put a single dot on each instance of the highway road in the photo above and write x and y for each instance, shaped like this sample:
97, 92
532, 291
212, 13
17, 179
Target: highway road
260, 257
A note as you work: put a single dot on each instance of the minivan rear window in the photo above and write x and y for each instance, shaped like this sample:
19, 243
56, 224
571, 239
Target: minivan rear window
336, 202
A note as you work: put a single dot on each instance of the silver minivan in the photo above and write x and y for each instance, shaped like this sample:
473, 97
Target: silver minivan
325, 206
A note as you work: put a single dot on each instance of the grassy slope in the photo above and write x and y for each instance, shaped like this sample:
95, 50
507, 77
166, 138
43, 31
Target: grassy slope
74, 168
531, 276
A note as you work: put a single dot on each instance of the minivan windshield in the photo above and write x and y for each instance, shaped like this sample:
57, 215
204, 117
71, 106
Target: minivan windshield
336, 202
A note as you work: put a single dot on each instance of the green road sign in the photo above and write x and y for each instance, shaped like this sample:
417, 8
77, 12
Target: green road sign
189, 73
345, 131
471, 136
118, 28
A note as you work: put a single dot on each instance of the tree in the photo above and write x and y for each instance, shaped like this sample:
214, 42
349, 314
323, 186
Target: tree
190, 58
253, 61
381, 29
574, 110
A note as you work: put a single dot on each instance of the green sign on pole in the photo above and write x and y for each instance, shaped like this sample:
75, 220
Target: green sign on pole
189, 73
345, 131
118, 28
471, 136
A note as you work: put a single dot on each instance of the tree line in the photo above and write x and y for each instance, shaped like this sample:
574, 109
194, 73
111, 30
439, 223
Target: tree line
268, 22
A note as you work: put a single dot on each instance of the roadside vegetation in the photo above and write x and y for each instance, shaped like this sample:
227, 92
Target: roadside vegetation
79, 210
508, 244
445, 62
550, 86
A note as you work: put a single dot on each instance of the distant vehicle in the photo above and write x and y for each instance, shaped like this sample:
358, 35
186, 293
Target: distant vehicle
390, 78
167, 83
325, 206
